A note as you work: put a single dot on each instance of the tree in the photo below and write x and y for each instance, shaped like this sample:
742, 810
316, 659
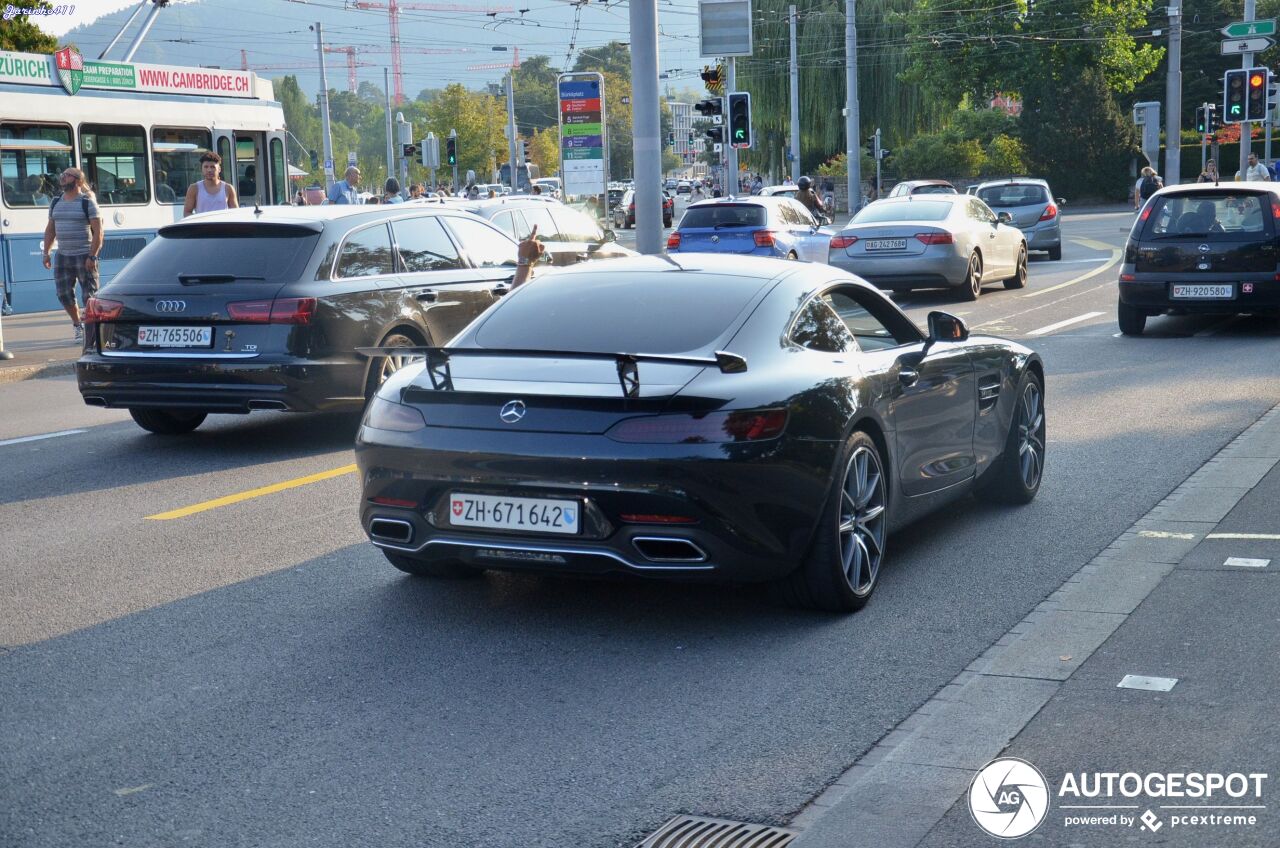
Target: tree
614, 57
1004, 157
303, 120
19, 34
479, 119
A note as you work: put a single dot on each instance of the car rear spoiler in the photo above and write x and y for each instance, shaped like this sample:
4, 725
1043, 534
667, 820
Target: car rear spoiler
627, 363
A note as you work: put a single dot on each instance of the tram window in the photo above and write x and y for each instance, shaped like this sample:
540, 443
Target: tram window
175, 157
247, 170
279, 173
115, 159
31, 158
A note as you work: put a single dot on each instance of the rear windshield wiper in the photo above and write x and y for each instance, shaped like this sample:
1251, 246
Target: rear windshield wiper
198, 279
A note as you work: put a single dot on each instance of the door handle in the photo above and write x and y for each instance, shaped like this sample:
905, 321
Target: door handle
500, 289
427, 296
908, 376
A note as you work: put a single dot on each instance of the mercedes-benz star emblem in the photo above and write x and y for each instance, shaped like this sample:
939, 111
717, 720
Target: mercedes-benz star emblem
715, 239
512, 411
171, 305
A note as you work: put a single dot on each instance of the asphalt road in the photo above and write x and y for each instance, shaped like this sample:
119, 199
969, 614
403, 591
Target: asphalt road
253, 672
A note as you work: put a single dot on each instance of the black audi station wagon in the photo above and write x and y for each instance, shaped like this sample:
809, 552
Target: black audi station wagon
264, 308
1202, 249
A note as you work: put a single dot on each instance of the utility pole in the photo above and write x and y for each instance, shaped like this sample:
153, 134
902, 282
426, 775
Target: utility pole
730, 152
647, 125
1173, 99
511, 129
795, 100
875, 149
324, 110
391, 161
453, 134
853, 143
1246, 62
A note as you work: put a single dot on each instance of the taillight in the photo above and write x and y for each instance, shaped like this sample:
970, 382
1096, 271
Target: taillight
99, 309
716, 427
1127, 278
841, 242
631, 208
1275, 208
673, 241
285, 310
1050, 212
764, 238
935, 238
1146, 213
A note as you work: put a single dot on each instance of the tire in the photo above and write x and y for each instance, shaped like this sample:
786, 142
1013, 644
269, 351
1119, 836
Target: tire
971, 288
1019, 278
793, 257
1016, 477
1132, 320
441, 569
843, 543
165, 423
666, 222
1055, 252
383, 367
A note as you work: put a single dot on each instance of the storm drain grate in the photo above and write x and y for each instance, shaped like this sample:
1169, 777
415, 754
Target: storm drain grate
699, 832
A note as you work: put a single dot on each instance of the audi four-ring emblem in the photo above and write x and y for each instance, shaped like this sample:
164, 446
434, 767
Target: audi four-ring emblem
171, 305
512, 411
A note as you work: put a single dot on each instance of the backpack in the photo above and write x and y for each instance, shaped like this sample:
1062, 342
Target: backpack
1148, 187
84, 205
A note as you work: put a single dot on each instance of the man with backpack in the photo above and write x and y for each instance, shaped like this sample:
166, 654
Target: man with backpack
76, 225
1148, 184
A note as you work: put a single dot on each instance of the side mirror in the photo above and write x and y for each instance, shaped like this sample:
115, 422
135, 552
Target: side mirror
610, 235
944, 327
1062, 201
1004, 218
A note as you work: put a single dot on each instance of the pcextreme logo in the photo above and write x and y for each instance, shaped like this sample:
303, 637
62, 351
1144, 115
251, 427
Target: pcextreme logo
1009, 798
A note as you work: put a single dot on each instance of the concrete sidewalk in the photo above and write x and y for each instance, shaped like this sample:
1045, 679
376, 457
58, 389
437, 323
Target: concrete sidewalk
1190, 597
42, 343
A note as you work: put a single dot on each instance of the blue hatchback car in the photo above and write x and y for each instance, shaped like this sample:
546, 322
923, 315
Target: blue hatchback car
754, 226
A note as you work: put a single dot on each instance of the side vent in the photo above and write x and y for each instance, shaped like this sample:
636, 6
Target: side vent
122, 248
699, 832
988, 391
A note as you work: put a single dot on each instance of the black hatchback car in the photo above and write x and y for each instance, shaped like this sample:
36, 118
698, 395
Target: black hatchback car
264, 309
1205, 249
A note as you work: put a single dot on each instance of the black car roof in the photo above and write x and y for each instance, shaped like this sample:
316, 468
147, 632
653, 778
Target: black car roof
312, 218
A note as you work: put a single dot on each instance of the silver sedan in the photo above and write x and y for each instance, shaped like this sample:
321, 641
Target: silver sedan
932, 241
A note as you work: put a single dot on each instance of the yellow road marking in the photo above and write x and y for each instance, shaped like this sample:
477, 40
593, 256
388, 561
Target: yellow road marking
1111, 263
252, 493
1095, 245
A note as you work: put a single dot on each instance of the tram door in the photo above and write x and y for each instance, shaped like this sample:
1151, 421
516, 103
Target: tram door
281, 184
250, 177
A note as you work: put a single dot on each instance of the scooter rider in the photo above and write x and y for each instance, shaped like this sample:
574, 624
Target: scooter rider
810, 199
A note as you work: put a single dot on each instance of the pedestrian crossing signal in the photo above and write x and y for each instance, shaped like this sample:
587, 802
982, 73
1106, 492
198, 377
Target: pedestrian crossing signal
451, 151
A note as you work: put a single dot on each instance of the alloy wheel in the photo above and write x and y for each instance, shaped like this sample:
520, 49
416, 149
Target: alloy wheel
862, 520
1031, 435
393, 363
975, 274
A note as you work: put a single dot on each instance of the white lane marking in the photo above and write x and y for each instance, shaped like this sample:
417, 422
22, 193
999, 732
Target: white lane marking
1111, 263
1151, 684
1265, 537
1077, 261
1164, 534
1066, 323
1247, 562
1215, 328
40, 437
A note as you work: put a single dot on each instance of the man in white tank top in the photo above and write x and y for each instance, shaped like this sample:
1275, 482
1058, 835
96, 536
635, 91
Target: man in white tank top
210, 193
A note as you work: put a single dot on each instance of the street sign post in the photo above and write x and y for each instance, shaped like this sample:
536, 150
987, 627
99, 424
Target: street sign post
1246, 29
1236, 46
583, 162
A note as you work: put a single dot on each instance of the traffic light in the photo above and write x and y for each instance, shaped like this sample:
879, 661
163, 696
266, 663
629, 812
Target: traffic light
315, 160
1202, 120
526, 149
451, 151
1256, 108
871, 147
407, 150
710, 107
691, 135
1212, 120
1233, 94
713, 78
715, 134
671, 139
740, 119
422, 153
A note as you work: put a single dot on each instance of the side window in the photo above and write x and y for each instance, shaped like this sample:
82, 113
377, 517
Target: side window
115, 163
366, 253
979, 211
175, 156
539, 216
803, 218
505, 221
425, 246
487, 247
31, 158
871, 320
818, 327
575, 226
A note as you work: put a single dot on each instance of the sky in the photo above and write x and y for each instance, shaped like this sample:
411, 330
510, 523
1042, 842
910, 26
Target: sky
279, 37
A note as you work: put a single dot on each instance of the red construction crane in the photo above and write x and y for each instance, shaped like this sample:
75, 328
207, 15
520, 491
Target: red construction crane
393, 8
351, 51
352, 64
514, 63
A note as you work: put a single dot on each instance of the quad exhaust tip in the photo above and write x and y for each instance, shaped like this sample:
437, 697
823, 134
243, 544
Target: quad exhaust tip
668, 549
391, 530
268, 404
700, 832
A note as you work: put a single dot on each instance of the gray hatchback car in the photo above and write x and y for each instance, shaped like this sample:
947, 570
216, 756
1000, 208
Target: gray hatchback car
1033, 208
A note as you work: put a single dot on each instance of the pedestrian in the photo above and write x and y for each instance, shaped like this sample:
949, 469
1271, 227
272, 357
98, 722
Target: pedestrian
1148, 184
492, 193
1209, 174
415, 191
537, 189
346, 190
76, 225
210, 193
391, 191
1256, 171
473, 192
